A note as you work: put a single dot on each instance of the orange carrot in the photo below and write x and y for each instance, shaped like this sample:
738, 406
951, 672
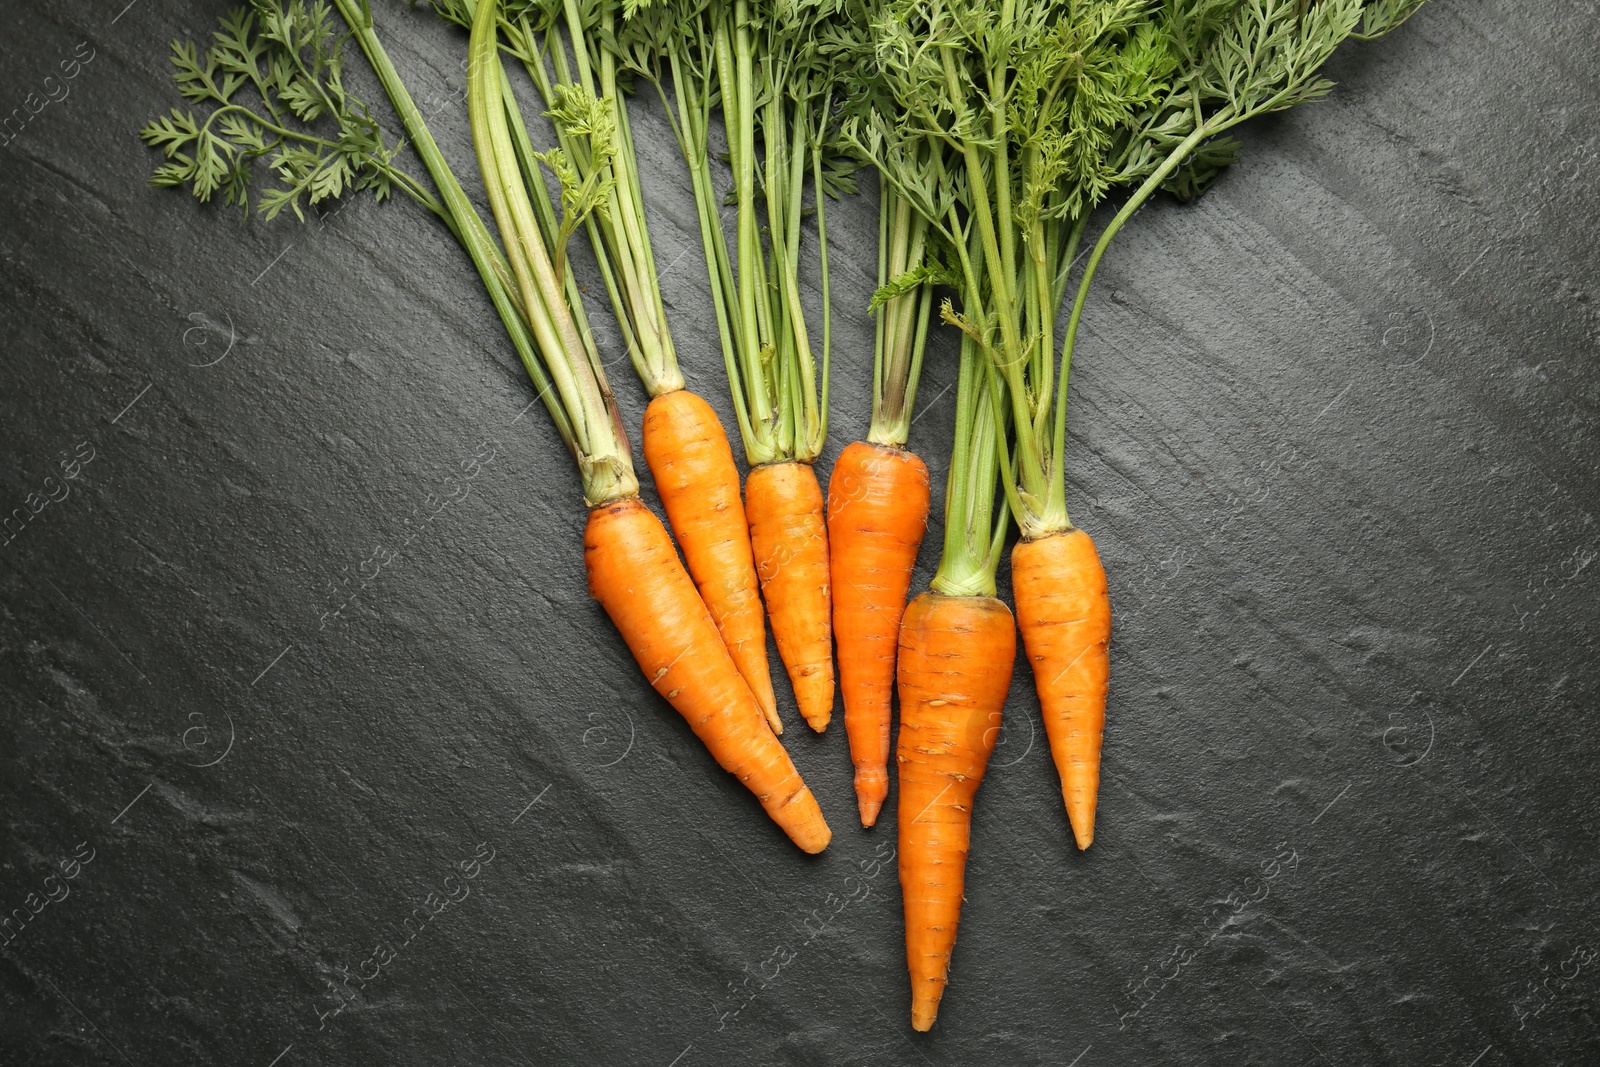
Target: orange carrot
877, 514
635, 574
956, 655
790, 539
878, 502
1065, 617
688, 454
633, 568
778, 382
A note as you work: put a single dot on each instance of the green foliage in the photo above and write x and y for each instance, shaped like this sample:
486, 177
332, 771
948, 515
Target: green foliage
577, 112
1204, 166
1056, 82
930, 273
459, 12
1378, 17
782, 74
1006, 123
271, 88
1070, 100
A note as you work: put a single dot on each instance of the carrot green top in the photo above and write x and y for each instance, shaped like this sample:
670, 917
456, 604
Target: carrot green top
974, 536
273, 78
594, 161
535, 247
900, 332
762, 63
1037, 112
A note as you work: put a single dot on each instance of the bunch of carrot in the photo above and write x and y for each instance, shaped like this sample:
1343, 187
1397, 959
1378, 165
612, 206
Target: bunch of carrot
996, 129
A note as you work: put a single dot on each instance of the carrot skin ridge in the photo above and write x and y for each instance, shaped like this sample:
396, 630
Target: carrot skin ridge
877, 514
691, 461
789, 535
635, 574
1065, 616
955, 663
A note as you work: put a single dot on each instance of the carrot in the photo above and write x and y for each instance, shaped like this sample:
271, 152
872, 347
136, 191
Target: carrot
1026, 222
790, 539
877, 514
684, 443
878, 501
689, 456
633, 568
781, 120
635, 575
956, 651
1065, 617
956, 655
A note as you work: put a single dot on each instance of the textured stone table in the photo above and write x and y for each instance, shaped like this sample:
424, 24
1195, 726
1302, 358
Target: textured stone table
1334, 429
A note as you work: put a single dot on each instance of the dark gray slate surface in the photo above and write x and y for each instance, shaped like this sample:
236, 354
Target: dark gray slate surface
1334, 430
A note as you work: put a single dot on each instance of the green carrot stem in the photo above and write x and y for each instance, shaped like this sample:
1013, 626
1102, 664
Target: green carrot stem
467, 225
1040, 523
973, 535
602, 452
901, 327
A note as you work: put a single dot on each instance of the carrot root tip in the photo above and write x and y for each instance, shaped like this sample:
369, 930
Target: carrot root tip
870, 806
